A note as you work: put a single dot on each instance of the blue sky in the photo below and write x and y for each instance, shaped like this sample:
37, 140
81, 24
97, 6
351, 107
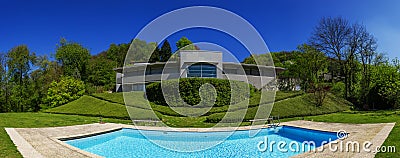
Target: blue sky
96, 24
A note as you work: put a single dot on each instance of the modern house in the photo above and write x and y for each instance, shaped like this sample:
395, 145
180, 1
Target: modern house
193, 63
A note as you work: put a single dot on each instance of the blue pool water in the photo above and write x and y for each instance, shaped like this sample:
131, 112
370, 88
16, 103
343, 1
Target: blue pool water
131, 143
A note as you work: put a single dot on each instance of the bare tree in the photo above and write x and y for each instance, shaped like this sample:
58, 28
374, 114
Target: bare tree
349, 45
331, 36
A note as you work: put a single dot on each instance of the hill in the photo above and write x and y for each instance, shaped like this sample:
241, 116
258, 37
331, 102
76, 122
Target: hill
287, 105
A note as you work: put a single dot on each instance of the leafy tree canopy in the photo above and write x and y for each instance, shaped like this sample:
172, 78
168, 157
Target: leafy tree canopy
74, 59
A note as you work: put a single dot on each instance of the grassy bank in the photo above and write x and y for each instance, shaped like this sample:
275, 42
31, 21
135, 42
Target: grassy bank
292, 107
288, 104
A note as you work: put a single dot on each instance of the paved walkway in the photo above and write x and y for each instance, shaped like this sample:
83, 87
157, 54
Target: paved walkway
375, 133
44, 142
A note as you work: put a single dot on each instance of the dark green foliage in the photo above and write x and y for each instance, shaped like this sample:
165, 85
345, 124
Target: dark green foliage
18, 88
385, 92
338, 89
161, 55
74, 59
101, 73
165, 52
189, 91
3, 83
155, 56
185, 44
117, 53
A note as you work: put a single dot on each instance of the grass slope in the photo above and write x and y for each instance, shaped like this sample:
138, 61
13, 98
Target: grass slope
136, 99
91, 106
290, 104
293, 107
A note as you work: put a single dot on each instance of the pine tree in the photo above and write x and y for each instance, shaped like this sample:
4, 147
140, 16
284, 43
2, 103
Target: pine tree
155, 56
165, 52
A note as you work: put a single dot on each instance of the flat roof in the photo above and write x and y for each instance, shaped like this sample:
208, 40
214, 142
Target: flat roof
119, 69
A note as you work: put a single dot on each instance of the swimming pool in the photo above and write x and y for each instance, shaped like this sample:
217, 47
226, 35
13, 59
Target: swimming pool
131, 143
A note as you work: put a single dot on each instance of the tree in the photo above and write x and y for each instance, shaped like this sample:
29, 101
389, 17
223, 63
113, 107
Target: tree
139, 51
347, 44
165, 52
4, 95
287, 79
331, 36
365, 44
385, 91
117, 53
101, 72
74, 59
155, 56
310, 67
185, 44
40, 79
19, 64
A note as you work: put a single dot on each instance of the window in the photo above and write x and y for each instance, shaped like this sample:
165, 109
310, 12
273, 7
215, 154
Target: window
154, 70
202, 70
252, 71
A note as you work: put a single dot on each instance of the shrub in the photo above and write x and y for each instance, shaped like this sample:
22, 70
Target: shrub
338, 89
189, 92
320, 91
64, 91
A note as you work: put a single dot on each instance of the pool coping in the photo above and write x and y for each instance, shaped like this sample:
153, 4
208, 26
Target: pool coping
26, 148
61, 140
23, 146
377, 140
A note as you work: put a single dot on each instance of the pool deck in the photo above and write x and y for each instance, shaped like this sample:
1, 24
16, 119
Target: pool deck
45, 142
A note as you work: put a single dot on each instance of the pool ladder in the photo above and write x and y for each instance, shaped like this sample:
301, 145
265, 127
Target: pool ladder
275, 122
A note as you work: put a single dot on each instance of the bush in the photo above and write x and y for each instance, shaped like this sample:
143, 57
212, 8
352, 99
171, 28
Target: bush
189, 92
320, 91
338, 89
64, 91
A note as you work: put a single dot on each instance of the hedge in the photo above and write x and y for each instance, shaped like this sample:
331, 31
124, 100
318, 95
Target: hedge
189, 92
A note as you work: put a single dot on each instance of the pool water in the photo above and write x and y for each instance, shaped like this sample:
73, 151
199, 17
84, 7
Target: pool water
131, 143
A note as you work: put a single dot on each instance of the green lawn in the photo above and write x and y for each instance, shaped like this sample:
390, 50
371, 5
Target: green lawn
34, 120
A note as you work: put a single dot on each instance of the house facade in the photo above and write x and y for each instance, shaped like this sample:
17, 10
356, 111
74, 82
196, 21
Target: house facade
193, 63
